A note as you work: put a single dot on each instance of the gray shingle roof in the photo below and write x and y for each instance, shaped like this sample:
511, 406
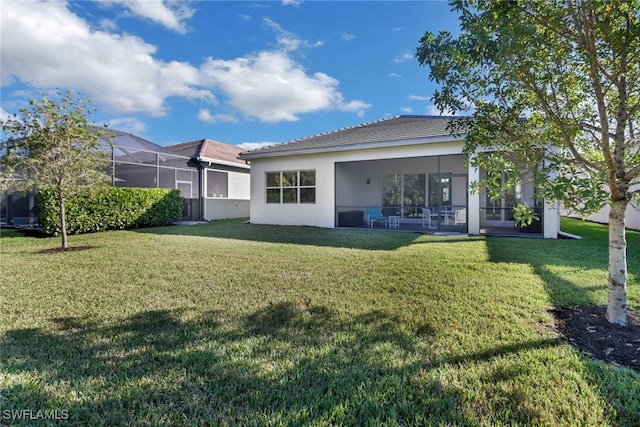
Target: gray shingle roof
391, 130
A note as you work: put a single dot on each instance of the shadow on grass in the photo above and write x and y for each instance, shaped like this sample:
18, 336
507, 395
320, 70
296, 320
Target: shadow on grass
285, 363
619, 387
295, 235
10, 234
589, 253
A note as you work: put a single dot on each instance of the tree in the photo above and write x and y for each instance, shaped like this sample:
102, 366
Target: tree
555, 85
52, 146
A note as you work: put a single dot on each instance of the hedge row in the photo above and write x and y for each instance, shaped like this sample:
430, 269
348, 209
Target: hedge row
115, 208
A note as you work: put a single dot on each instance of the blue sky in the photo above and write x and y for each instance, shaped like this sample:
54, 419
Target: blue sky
240, 72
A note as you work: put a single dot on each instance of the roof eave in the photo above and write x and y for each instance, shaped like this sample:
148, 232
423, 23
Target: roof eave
223, 162
351, 147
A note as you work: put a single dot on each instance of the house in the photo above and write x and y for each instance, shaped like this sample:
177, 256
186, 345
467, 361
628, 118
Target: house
406, 167
213, 182
223, 178
140, 163
134, 162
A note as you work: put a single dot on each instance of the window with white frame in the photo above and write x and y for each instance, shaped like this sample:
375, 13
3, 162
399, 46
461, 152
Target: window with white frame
291, 186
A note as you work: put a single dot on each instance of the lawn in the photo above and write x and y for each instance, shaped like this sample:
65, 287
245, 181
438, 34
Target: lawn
236, 324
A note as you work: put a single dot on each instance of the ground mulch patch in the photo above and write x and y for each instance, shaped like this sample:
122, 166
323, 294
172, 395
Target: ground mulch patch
587, 328
69, 249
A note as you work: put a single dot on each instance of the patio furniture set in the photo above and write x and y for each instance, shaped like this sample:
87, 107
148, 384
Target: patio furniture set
429, 217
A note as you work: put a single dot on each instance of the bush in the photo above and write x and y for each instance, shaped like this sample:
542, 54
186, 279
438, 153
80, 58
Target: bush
114, 208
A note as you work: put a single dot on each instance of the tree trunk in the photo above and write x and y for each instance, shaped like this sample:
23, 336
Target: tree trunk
63, 222
617, 301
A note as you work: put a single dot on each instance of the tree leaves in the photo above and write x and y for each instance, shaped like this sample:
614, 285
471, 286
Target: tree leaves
553, 89
556, 83
53, 147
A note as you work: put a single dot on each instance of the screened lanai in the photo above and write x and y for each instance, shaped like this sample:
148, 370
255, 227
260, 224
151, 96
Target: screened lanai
134, 162
137, 162
427, 194
423, 193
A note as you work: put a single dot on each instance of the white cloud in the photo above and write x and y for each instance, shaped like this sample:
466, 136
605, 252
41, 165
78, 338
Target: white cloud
407, 110
291, 2
287, 40
172, 15
395, 75
49, 46
4, 116
432, 110
403, 57
128, 124
255, 145
347, 37
272, 87
108, 25
358, 107
204, 115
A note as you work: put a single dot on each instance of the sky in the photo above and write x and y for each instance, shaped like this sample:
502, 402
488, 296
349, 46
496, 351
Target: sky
246, 73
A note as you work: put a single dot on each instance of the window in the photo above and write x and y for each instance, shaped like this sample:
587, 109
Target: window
217, 184
291, 186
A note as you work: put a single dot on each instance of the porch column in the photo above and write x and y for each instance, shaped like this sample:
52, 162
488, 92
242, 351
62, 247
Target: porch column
551, 213
551, 222
473, 207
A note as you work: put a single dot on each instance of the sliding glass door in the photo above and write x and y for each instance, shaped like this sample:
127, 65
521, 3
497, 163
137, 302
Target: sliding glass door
500, 211
439, 190
403, 195
448, 199
413, 195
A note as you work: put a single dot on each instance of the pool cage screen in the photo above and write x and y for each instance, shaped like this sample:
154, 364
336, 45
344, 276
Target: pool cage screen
134, 162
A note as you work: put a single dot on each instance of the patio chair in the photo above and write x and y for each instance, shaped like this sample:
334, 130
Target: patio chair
427, 218
373, 215
460, 217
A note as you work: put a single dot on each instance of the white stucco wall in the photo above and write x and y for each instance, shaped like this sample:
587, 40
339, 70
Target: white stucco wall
319, 214
239, 185
551, 223
632, 217
322, 213
215, 208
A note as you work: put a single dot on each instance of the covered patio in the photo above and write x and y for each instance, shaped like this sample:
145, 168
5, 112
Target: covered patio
420, 193
427, 194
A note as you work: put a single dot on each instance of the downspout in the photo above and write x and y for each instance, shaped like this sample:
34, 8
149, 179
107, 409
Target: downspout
201, 171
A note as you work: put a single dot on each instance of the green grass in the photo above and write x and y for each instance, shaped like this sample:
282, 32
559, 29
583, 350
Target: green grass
236, 324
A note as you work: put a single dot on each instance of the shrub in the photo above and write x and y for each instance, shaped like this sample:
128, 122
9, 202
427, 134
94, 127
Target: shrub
114, 208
